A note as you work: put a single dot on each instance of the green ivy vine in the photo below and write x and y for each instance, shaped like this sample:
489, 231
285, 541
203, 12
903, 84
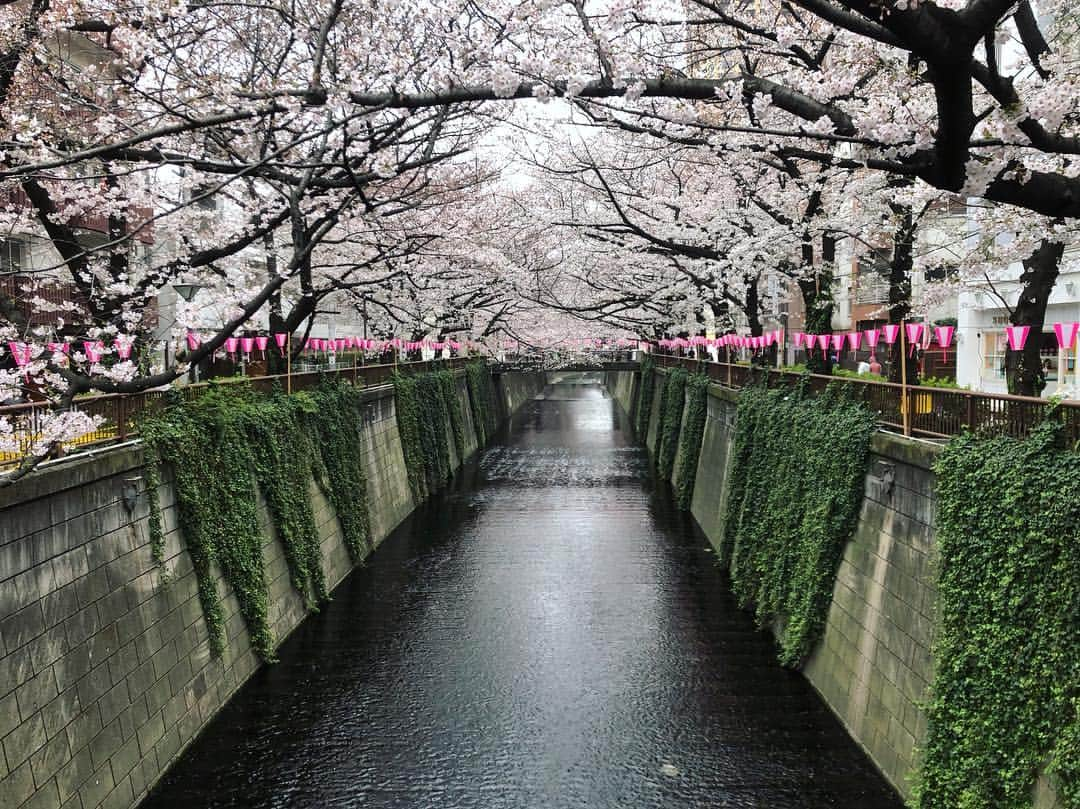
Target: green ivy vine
227, 446
697, 409
482, 399
1005, 701
646, 391
671, 411
407, 408
430, 417
794, 493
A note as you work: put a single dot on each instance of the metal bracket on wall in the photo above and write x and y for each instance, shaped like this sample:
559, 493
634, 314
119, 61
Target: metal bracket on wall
886, 476
129, 494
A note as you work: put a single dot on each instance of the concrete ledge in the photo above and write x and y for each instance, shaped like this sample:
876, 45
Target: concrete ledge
71, 473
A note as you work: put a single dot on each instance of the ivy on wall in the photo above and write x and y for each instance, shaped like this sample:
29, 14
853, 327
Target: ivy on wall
430, 421
407, 409
223, 449
693, 431
646, 392
482, 399
449, 387
671, 411
794, 493
1005, 701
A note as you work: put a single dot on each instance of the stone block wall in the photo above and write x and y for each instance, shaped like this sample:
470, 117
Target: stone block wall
106, 673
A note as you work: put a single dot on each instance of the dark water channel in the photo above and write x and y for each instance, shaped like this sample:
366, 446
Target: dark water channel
551, 632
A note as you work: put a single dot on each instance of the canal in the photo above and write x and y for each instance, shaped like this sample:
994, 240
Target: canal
549, 632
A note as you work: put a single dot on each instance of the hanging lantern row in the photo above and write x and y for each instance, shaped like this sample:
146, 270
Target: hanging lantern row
890, 332
758, 343
582, 342
93, 350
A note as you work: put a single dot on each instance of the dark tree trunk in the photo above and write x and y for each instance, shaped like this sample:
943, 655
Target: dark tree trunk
1023, 368
818, 302
900, 269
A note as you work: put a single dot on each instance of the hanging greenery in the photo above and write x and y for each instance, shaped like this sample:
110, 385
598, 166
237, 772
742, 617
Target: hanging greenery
646, 390
482, 398
795, 488
1005, 701
671, 411
429, 418
452, 404
223, 449
407, 408
337, 419
697, 409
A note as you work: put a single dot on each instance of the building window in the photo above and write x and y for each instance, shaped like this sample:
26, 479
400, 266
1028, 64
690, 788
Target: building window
12, 255
994, 347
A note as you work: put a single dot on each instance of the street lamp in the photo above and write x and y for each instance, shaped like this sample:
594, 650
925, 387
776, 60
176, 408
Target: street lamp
187, 291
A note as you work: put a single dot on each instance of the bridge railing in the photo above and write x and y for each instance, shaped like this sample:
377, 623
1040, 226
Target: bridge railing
930, 412
120, 413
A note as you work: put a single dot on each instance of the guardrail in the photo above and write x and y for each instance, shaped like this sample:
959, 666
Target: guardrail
120, 413
932, 412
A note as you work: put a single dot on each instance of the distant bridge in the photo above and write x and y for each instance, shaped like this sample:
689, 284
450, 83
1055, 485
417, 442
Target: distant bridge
575, 366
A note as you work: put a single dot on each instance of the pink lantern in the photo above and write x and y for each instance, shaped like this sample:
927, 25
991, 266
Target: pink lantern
1066, 334
230, 345
891, 332
281, 338
837, 341
798, 339
247, 344
123, 347
194, 340
339, 343
349, 342
914, 332
854, 338
778, 337
59, 348
944, 335
823, 343
261, 342
872, 337
20, 352
92, 349
1017, 336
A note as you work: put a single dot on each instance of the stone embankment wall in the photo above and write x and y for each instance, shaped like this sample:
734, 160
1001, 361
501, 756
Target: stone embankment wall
873, 664
105, 666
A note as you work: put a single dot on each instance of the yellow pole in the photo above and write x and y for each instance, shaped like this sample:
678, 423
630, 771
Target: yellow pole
905, 404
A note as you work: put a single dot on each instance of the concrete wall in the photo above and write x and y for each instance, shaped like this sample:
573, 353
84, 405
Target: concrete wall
513, 390
105, 671
624, 390
873, 664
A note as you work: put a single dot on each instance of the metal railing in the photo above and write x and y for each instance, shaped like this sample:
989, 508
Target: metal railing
932, 412
120, 413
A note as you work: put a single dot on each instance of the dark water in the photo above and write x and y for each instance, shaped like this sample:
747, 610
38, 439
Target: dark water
551, 632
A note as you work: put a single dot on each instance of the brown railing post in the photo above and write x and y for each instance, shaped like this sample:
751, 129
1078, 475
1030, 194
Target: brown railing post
121, 417
970, 412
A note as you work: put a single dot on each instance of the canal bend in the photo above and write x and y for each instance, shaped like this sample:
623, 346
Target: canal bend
549, 632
